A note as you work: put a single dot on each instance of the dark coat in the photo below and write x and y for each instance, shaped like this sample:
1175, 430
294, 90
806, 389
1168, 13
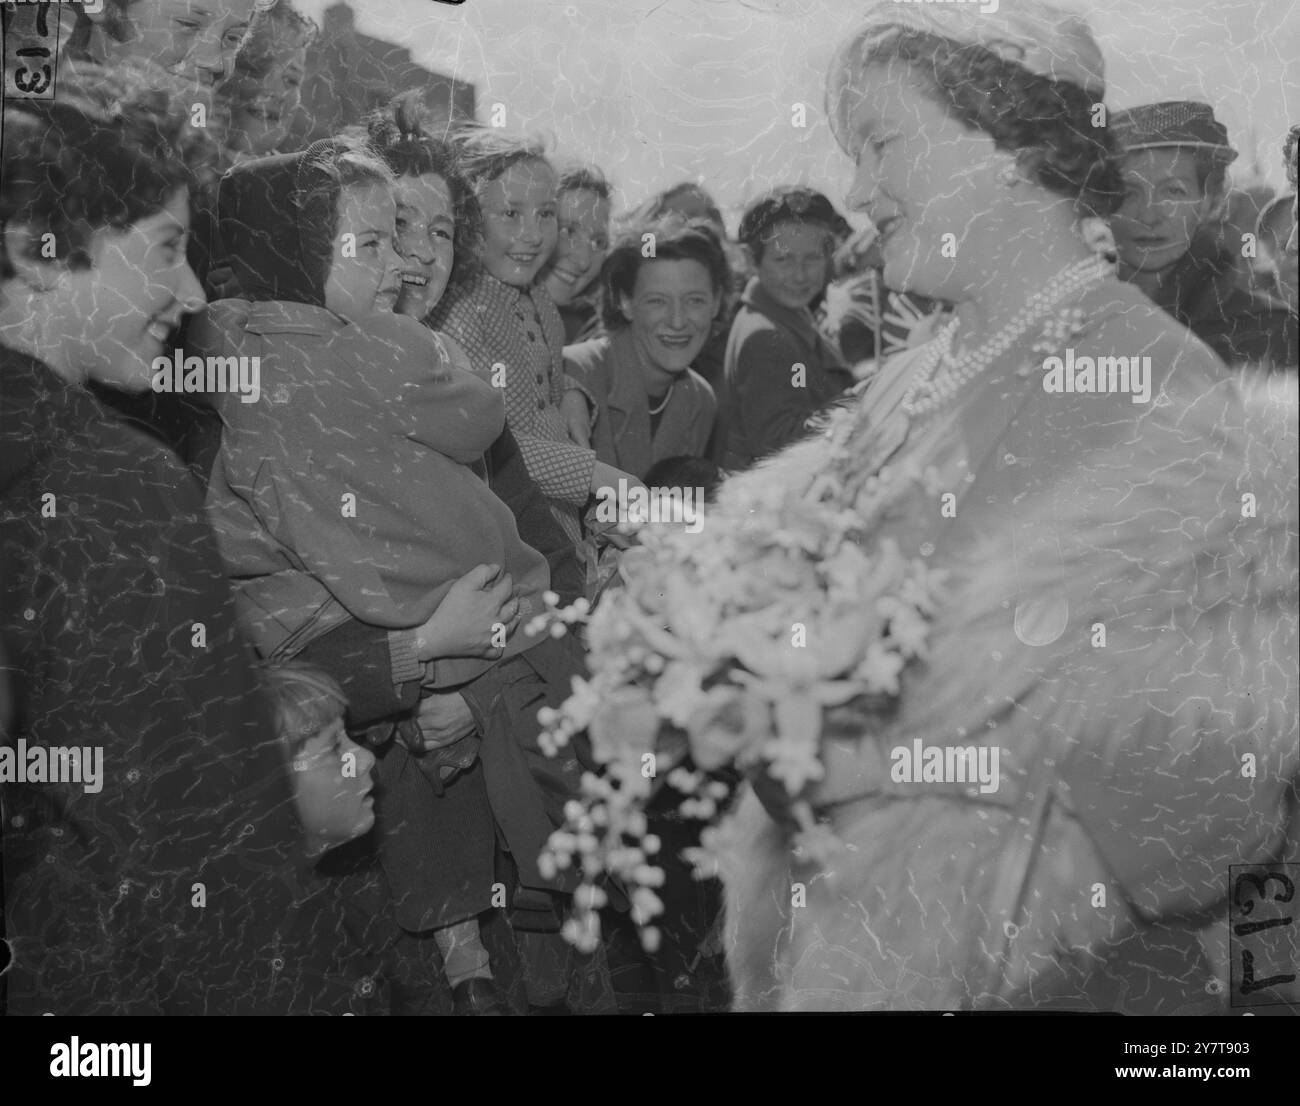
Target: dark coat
1240, 325
759, 410
109, 569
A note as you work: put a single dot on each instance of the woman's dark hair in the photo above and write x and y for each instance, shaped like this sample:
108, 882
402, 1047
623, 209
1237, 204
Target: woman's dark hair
789, 204
1048, 123
400, 137
111, 150
675, 239
486, 153
1289, 154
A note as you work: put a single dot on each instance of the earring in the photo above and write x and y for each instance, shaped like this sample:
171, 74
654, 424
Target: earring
1009, 176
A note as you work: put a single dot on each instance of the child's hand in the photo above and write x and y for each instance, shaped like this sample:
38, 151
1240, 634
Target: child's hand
444, 719
475, 618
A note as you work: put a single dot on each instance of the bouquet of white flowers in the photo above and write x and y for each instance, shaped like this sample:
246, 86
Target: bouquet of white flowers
726, 646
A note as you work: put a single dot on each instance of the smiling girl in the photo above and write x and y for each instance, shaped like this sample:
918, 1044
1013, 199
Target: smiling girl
583, 212
507, 323
779, 370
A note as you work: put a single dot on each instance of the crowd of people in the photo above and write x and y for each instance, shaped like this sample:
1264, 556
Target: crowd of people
296, 443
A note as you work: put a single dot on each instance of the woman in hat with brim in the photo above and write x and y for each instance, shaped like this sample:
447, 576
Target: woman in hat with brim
1118, 627
1175, 159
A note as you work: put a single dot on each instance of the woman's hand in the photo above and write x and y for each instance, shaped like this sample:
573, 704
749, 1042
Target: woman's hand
475, 618
776, 800
577, 417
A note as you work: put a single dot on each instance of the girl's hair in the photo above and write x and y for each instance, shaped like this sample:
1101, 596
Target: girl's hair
685, 472
584, 178
1289, 154
400, 137
111, 150
789, 204
485, 153
675, 239
271, 32
331, 166
1047, 122
305, 699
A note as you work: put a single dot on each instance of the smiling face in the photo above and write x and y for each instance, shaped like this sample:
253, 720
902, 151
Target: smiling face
366, 273
426, 231
1163, 208
671, 310
195, 39
260, 110
114, 318
332, 784
583, 218
519, 222
922, 175
796, 259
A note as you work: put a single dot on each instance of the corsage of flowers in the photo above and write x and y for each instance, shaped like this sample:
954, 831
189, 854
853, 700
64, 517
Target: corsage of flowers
726, 648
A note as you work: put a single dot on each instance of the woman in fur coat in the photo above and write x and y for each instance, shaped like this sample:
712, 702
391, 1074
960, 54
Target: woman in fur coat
1118, 641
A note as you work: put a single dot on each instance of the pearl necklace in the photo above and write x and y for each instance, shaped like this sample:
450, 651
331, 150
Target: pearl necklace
664, 402
941, 377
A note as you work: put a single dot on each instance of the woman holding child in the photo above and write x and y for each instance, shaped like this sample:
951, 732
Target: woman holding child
1112, 608
371, 419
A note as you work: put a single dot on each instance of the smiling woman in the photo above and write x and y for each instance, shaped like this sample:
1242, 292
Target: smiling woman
648, 404
195, 40
111, 581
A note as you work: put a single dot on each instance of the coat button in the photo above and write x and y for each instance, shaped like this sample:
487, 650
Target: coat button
540, 379
541, 405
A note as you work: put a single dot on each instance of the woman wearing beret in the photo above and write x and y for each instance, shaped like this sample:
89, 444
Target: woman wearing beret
1175, 159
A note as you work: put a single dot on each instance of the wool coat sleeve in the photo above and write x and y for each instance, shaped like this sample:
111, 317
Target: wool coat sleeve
361, 659
771, 409
508, 477
561, 469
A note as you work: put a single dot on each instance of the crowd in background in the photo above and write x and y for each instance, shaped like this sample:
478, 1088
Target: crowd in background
461, 347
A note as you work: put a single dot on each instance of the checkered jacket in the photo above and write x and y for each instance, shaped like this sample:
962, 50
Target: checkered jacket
519, 335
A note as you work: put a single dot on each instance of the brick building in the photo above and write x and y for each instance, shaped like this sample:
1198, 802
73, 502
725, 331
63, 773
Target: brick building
349, 73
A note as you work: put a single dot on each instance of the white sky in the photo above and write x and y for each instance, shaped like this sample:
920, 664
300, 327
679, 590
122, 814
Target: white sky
655, 91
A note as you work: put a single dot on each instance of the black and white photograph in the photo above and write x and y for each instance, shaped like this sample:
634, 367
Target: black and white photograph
650, 507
